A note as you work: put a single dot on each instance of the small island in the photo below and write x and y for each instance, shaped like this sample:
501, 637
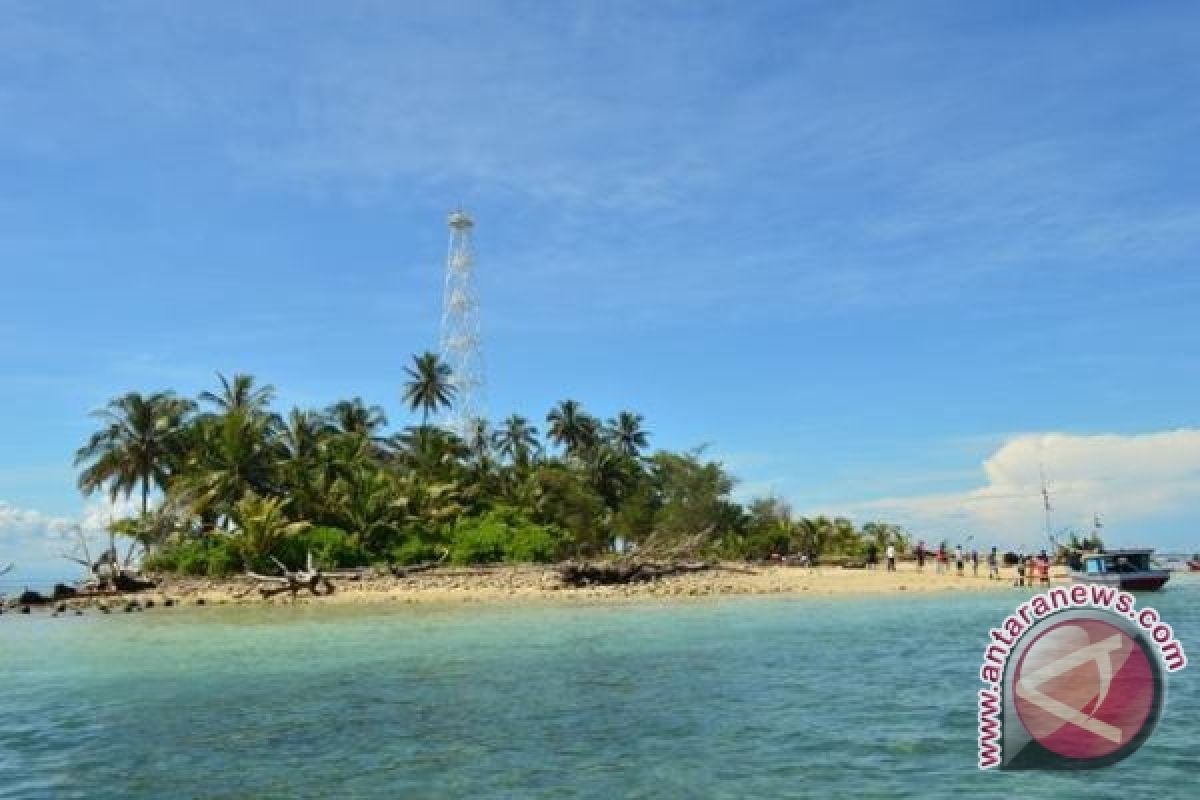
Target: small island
241, 503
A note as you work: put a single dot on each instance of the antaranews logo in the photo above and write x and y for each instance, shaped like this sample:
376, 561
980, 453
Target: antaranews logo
1074, 679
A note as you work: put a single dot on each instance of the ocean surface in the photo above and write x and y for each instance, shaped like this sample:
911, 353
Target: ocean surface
730, 698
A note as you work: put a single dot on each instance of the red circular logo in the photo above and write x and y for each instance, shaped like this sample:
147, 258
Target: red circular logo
1084, 689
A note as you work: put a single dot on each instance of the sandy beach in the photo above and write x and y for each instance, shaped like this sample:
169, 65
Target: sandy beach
529, 583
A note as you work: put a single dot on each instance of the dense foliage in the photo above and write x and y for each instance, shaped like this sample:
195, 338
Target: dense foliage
241, 485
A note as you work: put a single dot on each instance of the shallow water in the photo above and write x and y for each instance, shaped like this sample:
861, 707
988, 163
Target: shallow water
749, 697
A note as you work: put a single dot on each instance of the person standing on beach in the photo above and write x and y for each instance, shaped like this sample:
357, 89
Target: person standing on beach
891, 557
1043, 568
993, 565
942, 559
974, 562
958, 560
1021, 569
872, 555
921, 556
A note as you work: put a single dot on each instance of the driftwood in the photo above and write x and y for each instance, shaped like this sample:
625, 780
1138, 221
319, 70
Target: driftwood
311, 578
467, 572
127, 582
660, 544
625, 572
404, 572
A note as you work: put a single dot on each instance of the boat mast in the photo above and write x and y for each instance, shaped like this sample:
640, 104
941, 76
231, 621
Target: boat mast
1046, 502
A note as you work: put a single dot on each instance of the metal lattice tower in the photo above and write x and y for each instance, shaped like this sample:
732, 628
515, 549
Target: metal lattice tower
461, 343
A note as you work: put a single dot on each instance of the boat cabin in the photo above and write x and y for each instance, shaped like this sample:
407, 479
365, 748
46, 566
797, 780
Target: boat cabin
1117, 561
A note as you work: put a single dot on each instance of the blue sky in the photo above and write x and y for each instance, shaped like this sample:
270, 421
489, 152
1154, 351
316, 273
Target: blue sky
883, 257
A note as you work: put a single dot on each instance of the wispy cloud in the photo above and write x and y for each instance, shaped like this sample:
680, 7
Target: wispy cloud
862, 158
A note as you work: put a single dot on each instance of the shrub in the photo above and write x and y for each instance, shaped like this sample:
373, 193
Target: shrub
214, 555
223, 559
761, 544
331, 548
413, 551
478, 541
503, 534
162, 560
534, 543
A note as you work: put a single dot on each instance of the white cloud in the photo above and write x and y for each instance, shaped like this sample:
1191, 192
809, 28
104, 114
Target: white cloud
30, 536
27, 524
1136, 483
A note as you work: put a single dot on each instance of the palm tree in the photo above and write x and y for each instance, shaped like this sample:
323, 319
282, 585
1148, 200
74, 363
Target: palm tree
479, 441
366, 502
627, 435
428, 387
355, 417
429, 503
612, 474
517, 440
304, 450
139, 443
571, 427
262, 525
302, 434
429, 449
236, 454
813, 536
239, 394
881, 534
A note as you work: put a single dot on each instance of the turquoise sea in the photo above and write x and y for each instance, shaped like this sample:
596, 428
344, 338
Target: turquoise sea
730, 698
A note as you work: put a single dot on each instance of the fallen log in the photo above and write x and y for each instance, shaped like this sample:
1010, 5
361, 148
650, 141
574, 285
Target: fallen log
404, 572
469, 572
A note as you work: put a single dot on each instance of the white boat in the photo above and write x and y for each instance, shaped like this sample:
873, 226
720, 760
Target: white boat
1125, 569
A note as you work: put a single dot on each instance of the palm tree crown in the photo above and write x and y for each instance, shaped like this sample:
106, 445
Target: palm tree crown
302, 434
627, 434
517, 439
479, 440
569, 426
354, 416
428, 387
239, 394
138, 444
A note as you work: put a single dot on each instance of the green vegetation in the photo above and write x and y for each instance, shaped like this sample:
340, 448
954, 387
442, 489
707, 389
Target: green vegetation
241, 484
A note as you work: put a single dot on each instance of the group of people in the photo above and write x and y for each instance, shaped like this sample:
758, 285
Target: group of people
1033, 568
1029, 569
889, 554
941, 559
